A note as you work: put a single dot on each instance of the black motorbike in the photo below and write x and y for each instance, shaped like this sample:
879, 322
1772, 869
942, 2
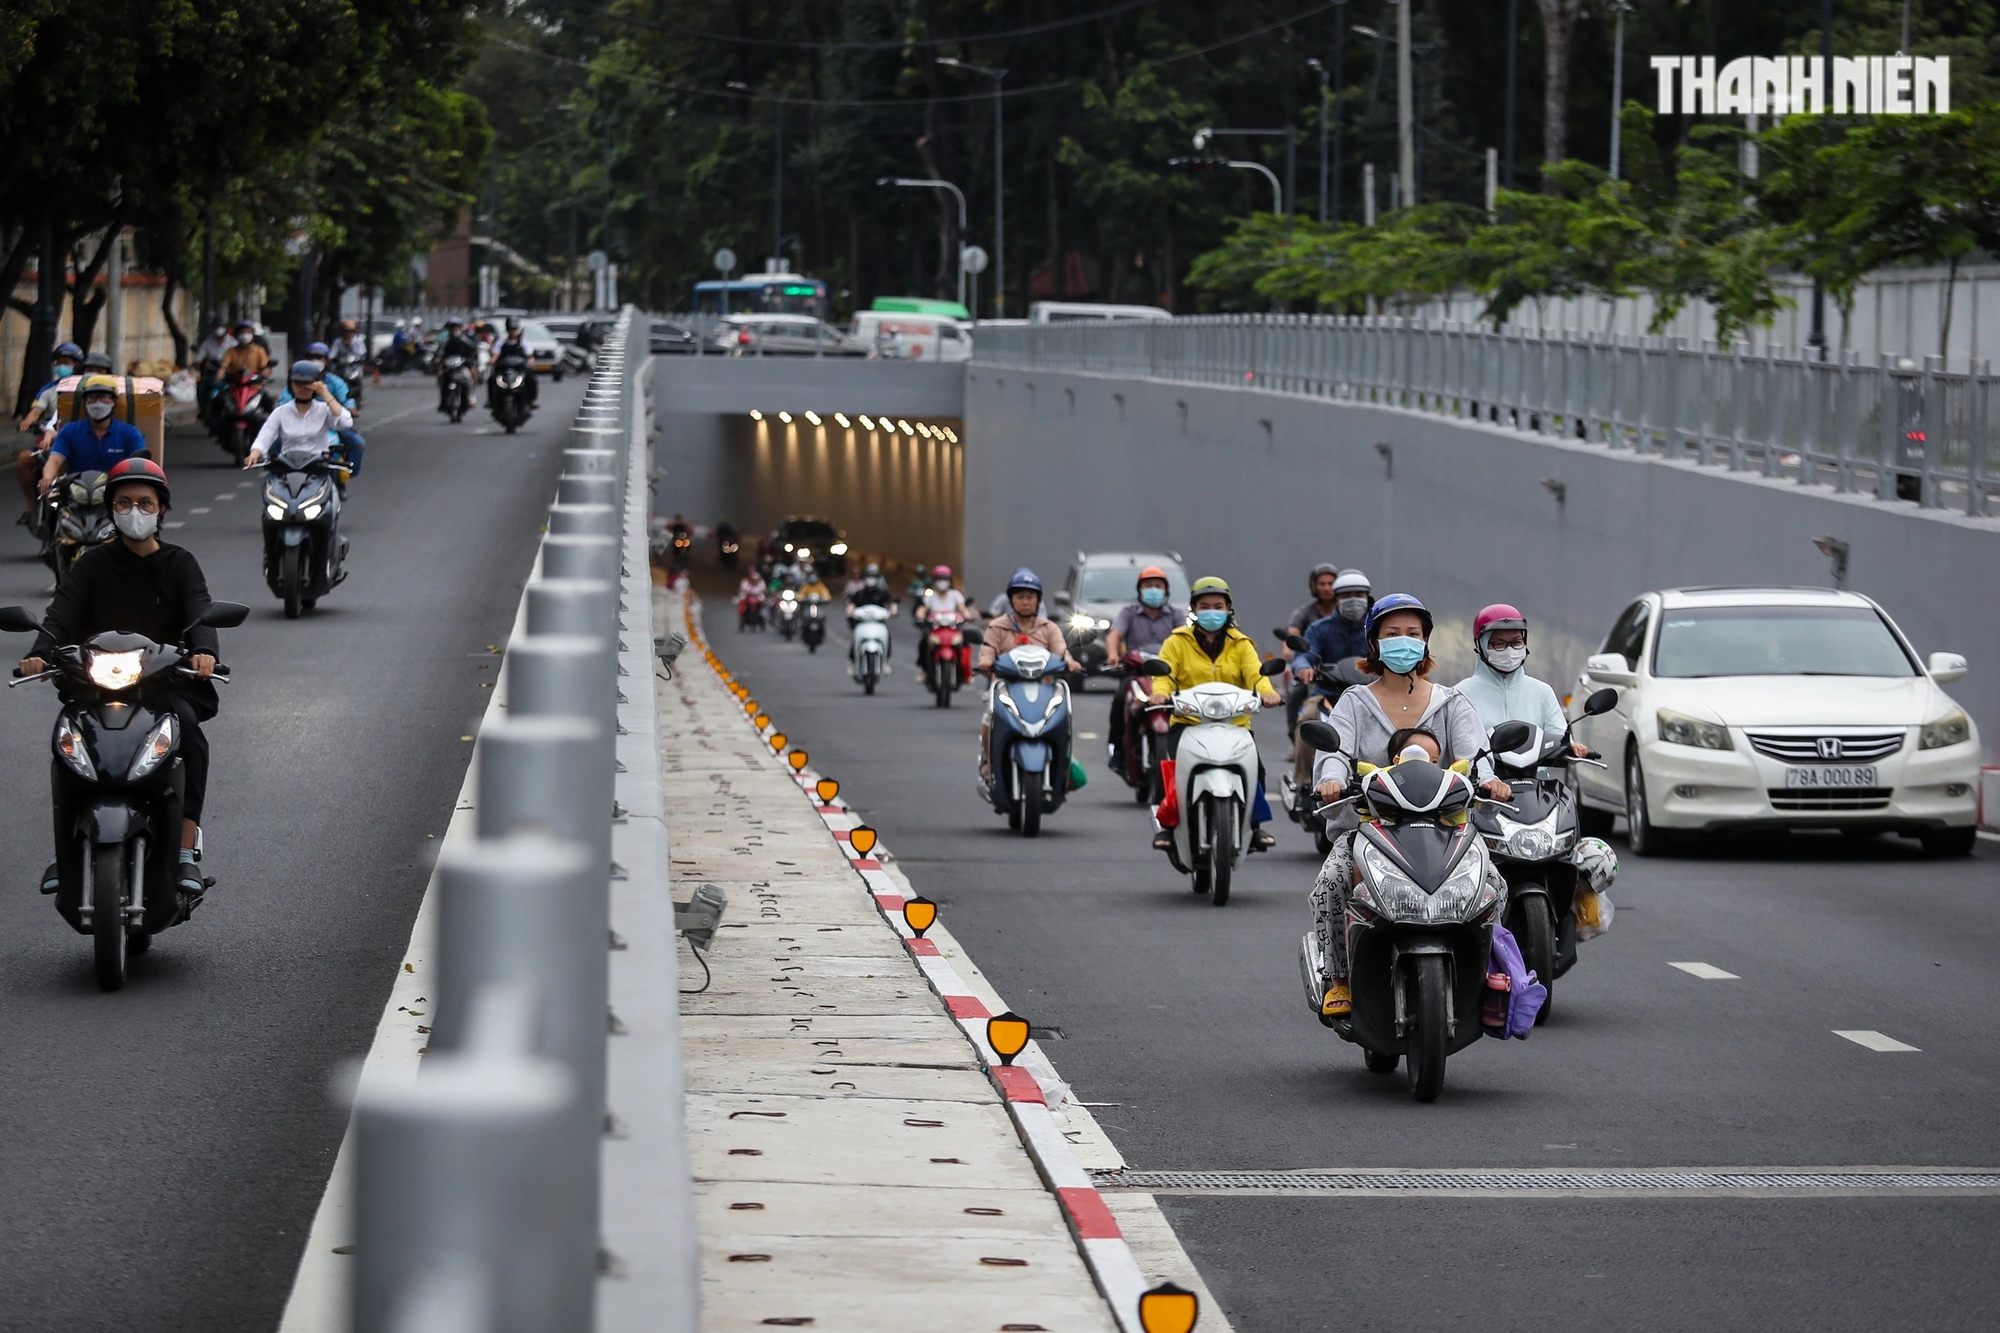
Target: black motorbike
812, 622
352, 367
241, 407
304, 554
728, 546
76, 517
1330, 681
1531, 837
455, 387
507, 398
118, 786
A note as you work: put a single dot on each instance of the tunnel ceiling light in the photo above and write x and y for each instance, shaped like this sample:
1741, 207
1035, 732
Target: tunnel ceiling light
841, 417
951, 434
813, 417
905, 427
755, 415
923, 430
785, 417
866, 424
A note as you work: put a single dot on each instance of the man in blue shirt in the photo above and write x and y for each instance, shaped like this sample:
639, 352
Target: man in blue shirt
96, 442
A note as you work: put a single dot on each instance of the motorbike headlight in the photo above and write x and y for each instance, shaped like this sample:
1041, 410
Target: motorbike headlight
1533, 842
69, 744
1954, 728
838, 548
1680, 729
154, 752
1392, 893
1464, 893
312, 510
276, 511
116, 671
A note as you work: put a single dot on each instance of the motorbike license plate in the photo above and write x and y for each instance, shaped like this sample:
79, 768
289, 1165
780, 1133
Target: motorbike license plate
1822, 776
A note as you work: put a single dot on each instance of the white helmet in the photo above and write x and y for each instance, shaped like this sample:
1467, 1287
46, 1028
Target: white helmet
1350, 580
1596, 863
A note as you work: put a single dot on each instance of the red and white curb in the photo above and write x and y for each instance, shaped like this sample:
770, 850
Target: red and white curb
1111, 1261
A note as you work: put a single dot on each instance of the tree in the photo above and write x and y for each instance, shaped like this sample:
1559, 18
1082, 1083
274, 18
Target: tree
1558, 26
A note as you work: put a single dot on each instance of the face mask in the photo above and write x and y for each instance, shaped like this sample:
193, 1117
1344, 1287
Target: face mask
1353, 609
136, 523
63, 371
1402, 654
1154, 598
97, 409
1211, 621
242, 340
1506, 660
942, 585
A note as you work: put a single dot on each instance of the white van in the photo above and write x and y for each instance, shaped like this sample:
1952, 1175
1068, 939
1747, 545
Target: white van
892, 335
1091, 312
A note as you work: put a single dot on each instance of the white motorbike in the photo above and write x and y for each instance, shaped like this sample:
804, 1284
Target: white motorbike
1215, 779
871, 645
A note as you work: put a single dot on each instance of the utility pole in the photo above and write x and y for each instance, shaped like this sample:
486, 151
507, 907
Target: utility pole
1817, 339
1622, 8
778, 188
1314, 65
999, 185
1513, 51
1406, 141
1340, 76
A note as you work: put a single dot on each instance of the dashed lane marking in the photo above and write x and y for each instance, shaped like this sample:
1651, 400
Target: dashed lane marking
204, 509
1666, 1183
1706, 971
1873, 1040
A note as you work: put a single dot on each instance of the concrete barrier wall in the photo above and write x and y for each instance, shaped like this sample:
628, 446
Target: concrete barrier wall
1257, 487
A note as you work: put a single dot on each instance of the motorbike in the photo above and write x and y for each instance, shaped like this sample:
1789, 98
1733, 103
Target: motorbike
1144, 743
304, 553
947, 656
78, 518
455, 383
1029, 748
1419, 922
728, 547
1530, 839
352, 367
1215, 778
240, 410
749, 612
1331, 680
812, 623
118, 786
788, 614
506, 399
871, 645
682, 546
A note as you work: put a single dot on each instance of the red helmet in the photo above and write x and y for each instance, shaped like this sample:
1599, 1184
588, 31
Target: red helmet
139, 469
941, 572
1151, 572
1497, 616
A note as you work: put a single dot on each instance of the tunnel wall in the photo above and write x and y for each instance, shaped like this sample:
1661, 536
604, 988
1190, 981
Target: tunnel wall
1257, 487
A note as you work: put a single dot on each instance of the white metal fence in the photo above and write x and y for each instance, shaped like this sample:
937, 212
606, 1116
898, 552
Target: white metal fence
1919, 434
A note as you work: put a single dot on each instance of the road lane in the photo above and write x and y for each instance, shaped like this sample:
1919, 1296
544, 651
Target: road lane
162, 1149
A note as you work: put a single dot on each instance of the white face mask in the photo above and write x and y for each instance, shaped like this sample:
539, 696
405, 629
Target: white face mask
136, 523
1506, 660
97, 409
243, 340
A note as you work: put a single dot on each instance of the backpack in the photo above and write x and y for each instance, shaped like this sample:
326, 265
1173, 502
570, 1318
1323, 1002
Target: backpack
1525, 995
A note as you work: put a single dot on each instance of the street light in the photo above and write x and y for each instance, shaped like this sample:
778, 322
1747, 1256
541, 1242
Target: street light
1290, 135
957, 194
1621, 8
999, 185
1313, 64
1213, 163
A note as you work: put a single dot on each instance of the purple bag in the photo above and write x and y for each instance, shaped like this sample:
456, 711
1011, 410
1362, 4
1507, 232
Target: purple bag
1526, 994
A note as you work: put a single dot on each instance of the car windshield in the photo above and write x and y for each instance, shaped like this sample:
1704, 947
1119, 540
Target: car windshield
535, 331
811, 532
1118, 583
1778, 641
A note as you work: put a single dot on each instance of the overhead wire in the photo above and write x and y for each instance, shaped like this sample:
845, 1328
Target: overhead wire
881, 44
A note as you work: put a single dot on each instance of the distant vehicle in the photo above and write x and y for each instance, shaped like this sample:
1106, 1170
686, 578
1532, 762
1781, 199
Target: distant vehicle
763, 294
1087, 312
781, 335
1099, 586
808, 537
894, 335
544, 350
1775, 708
666, 339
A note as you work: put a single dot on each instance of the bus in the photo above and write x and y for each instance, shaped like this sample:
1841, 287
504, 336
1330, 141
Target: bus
763, 294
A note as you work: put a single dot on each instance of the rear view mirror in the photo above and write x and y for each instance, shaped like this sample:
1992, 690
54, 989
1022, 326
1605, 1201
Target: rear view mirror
1320, 735
1947, 667
1607, 666
17, 620
1155, 666
1296, 642
1509, 737
1274, 666
224, 615
1600, 702
1061, 599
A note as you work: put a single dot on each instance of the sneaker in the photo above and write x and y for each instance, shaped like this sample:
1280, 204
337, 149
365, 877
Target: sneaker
1262, 841
1163, 841
1338, 1002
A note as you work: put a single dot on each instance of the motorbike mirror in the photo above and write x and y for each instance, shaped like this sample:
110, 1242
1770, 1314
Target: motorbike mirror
1600, 701
1060, 598
1296, 642
17, 620
1509, 737
1320, 735
1275, 666
1154, 666
223, 615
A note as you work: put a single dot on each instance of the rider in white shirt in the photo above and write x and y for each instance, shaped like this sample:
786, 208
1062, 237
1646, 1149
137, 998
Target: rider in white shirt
941, 596
304, 423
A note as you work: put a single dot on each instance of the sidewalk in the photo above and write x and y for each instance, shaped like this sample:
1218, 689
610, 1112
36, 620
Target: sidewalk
855, 1166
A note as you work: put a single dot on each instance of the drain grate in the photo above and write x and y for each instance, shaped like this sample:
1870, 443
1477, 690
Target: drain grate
1663, 1183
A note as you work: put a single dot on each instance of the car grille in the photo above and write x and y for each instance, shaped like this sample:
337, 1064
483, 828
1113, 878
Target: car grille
1841, 798
1855, 747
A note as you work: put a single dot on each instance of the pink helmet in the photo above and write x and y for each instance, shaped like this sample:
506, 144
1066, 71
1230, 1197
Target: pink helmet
941, 572
1497, 616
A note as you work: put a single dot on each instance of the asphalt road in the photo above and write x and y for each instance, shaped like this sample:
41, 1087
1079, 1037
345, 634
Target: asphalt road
162, 1149
1191, 1023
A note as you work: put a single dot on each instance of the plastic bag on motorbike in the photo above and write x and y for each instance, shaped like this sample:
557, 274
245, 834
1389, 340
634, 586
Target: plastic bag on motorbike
1526, 994
1077, 775
1594, 913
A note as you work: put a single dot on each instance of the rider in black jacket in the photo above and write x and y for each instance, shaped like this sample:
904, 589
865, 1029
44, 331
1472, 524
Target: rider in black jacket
512, 354
457, 342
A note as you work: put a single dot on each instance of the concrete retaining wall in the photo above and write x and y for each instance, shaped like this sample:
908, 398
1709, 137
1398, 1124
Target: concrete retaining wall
1257, 487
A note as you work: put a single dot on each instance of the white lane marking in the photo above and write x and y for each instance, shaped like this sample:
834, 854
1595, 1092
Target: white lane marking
1990, 837
227, 495
1874, 1041
1088, 736
204, 509
1706, 971
176, 522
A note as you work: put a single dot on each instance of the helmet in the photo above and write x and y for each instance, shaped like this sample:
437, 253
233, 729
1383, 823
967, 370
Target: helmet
305, 370
454, 323
1398, 601
139, 469
70, 350
1350, 580
1150, 572
513, 325
1323, 567
1497, 616
1596, 862
1211, 584
98, 361
941, 572
243, 324
348, 326
872, 571
1024, 580
97, 384
318, 349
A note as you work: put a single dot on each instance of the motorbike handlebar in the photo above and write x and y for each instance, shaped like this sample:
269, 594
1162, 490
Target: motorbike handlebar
20, 679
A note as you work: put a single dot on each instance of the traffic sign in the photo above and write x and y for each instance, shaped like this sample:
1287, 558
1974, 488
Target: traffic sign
973, 257
725, 261
598, 261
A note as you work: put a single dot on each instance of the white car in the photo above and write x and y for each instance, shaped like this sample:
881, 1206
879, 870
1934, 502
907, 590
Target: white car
1775, 708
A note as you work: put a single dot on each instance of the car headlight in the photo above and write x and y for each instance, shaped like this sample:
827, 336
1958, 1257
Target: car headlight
838, 548
312, 510
1954, 728
1083, 622
1680, 729
1533, 842
276, 511
158, 746
69, 744
116, 671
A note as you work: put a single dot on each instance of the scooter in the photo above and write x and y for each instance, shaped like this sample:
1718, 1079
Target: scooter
871, 645
80, 519
1144, 743
1419, 923
118, 786
788, 614
1330, 681
1531, 837
506, 400
1214, 777
728, 548
304, 554
240, 411
947, 656
749, 612
352, 368
1029, 748
812, 623
455, 378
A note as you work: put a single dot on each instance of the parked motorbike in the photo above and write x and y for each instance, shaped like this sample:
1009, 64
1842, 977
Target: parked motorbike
788, 614
118, 786
749, 612
304, 553
1530, 839
240, 410
1144, 743
812, 623
947, 651
507, 399
455, 383
78, 519
1330, 681
1419, 923
871, 645
1029, 748
1215, 779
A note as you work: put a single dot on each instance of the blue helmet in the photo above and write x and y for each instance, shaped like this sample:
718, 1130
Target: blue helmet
70, 350
305, 370
318, 349
1398, 601
1023, 579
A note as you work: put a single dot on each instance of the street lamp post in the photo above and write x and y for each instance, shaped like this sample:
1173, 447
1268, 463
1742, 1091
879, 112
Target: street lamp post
1406, 139
1817, 339
1210, 163
1622, 8
1288, 195
957, 194
999, 186
1513, 50
1314, 65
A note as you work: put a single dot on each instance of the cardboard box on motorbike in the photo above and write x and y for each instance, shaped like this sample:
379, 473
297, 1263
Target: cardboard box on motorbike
142, 402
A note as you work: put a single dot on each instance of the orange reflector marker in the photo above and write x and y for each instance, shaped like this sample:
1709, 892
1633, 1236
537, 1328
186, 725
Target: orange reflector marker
1007, 1034
862, 839
919, 914
827, 789
778, 739
762, 720
797, 759
1168, 1309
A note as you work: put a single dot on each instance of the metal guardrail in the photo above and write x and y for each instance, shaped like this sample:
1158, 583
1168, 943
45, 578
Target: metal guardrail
478, 1184
1894, 430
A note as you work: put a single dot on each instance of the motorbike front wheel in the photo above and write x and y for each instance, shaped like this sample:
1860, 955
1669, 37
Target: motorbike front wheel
291, 579
1538, 948
941, 683
1031, 804
1222, 822
1426, 1044
107, 896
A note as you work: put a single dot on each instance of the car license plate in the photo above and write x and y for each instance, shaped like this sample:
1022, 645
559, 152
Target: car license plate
1830, 776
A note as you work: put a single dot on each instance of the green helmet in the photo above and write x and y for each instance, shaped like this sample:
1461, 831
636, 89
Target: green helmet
1211, 584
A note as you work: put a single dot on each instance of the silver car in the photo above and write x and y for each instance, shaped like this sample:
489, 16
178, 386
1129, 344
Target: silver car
1101, 584
782, 335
